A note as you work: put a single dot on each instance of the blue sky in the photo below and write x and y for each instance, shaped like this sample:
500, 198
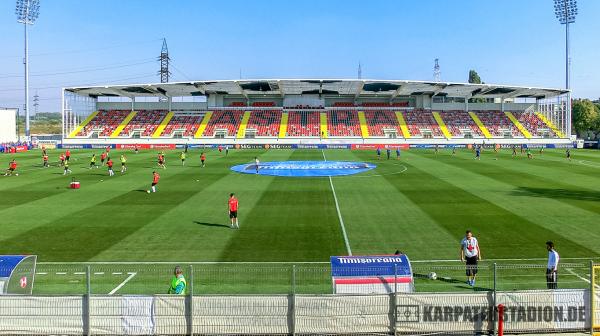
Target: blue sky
515, 42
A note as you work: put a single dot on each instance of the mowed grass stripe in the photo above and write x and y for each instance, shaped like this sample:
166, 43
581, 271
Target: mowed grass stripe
36, 212
541, 182
379, 219
449, 194
35, 185
200, 224
294, 220
570, 219
102, 225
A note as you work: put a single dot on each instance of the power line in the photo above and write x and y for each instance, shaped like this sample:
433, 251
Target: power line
180, 72
90, 69
85, 50
85, 84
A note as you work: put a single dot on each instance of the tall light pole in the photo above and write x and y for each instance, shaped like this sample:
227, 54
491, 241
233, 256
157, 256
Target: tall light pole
566, 11
27, 12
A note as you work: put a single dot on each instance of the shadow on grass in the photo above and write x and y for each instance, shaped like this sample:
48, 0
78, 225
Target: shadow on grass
587, 195
211, 224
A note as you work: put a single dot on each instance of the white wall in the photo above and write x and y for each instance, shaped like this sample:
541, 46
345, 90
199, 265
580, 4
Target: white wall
8, 125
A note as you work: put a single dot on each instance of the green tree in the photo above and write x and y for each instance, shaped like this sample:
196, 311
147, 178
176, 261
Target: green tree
474, 77
585, 116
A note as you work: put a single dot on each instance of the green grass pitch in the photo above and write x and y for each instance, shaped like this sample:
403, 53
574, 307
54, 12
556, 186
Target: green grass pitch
421, 204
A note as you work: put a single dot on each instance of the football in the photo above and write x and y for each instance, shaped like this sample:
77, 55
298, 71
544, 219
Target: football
148, 191
17, 174
432, 276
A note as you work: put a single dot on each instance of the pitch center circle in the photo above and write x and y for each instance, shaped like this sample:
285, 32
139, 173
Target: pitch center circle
305, 168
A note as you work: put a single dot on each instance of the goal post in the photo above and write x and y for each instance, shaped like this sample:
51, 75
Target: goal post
595, 307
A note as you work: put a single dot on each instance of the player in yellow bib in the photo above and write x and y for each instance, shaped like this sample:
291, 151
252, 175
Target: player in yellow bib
123, 164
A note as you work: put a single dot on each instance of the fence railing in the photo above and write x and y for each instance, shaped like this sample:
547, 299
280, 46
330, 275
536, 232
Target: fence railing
127, 278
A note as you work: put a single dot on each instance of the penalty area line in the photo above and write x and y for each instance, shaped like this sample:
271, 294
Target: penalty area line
339, 213
131, 275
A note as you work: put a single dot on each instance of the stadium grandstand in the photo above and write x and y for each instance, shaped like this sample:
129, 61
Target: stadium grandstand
291, 111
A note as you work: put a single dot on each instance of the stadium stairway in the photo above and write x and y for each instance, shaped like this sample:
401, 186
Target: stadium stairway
442, 124
364, 129
283, 125
550, 124
323, 118
123, 124
163, 124
519, 126
85, 122
203, 124
484, 130
241, 133
403, 126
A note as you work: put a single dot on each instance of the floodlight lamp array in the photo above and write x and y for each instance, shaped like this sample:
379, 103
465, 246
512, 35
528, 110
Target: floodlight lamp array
565, 10
27, 11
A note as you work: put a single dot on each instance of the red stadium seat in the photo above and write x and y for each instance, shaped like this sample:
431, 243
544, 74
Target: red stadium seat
105, 123
343, 123
265, 122
303, 124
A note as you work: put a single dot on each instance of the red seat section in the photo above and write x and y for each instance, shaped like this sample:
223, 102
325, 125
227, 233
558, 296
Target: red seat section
263, 104
188, 124
497, 123
459, 123
229, 120
420, 122
144, 121
105, 123
378, 120
534, 124
266, 123
303, 124
343, 123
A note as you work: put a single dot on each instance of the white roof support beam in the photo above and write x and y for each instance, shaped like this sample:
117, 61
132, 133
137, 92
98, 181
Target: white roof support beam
281, 93
359, 90
242, 90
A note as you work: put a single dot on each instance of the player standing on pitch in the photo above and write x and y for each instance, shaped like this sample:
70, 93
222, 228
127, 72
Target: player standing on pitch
161, 161
233, 210
102, 158
67, 155
182, 157
203, 159
123, 163
471, 254
93, 162
568, 152
12, 166
45, 159
155, 178
256, 163
109, 163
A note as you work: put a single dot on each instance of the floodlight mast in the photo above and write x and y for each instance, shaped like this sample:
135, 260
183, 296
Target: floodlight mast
566, 11
27, 12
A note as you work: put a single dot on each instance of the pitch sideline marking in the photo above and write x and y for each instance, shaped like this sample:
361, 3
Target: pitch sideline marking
131, 275
265, 262
339, 213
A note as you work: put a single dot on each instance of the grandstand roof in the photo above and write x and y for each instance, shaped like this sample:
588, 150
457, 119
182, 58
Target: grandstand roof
329, 87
